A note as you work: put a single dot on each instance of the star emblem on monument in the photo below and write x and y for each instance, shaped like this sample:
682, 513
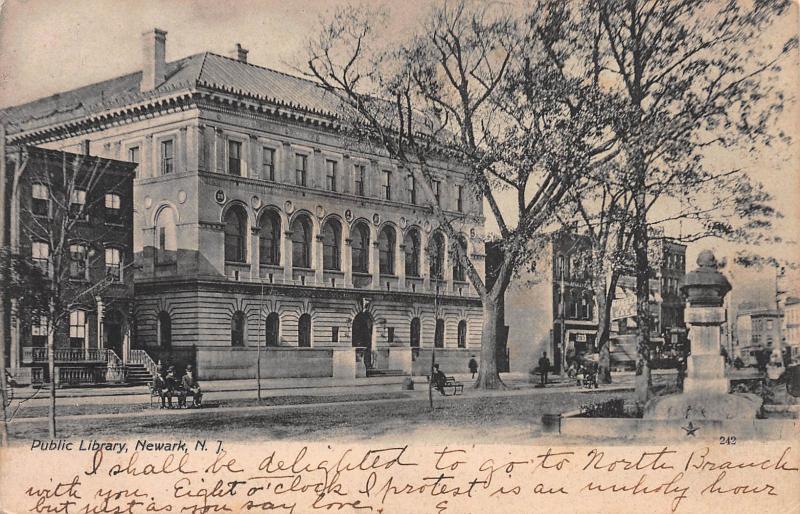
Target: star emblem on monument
690, 430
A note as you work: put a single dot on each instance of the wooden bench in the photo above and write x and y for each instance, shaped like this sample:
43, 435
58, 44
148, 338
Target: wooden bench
451, 385
169, 395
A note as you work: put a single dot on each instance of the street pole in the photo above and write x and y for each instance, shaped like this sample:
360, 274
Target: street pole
562, 336
258, 342
435, 325
433, 350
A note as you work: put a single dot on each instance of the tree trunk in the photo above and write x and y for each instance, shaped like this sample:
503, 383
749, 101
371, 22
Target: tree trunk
643, 380
3, 262
4, 385
604, 305
51, 366
488, 378
603, 329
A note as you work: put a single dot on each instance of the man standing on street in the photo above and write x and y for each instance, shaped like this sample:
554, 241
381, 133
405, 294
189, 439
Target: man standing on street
473, 366
544, 367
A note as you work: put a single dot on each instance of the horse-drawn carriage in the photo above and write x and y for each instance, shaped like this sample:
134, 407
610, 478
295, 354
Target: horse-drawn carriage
584, 369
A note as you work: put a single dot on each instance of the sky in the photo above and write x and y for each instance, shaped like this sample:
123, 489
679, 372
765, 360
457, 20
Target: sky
48, 46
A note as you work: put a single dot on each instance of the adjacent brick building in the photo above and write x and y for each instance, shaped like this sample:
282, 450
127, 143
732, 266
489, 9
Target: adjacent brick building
91, 200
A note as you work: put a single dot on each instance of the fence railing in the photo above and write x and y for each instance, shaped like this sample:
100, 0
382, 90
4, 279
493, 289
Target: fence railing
39, 354
113, 359
115, 371
141, 357
37, 376
70, 375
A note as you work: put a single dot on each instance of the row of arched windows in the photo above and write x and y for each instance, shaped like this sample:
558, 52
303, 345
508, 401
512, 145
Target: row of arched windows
272, 331
438, 335
235, 222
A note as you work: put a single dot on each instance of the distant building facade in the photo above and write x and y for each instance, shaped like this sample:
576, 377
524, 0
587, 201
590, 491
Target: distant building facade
791, 323
555, 311
97, 279
257, 224
757, 329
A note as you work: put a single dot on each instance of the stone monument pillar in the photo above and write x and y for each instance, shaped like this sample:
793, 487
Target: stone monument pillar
705, 390
705, 289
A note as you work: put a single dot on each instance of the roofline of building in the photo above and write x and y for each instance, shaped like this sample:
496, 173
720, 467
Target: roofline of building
157, 99
39, 153
759, 312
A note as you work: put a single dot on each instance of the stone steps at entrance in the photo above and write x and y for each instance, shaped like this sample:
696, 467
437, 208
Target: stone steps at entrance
385, 373
137, 375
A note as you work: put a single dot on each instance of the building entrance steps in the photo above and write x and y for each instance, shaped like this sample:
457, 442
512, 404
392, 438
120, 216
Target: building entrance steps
137, 374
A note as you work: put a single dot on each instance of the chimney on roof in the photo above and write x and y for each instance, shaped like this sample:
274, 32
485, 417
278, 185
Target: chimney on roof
85, 147
239, 53
154, 62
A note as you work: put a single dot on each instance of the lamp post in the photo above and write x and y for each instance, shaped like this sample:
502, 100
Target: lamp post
435, 278
562, 311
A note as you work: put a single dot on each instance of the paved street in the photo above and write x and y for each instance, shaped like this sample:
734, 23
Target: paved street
373, 408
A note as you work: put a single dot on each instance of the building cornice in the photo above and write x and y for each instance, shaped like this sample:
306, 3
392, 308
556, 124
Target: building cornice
178, 284
236, 181
119, 115
183, 97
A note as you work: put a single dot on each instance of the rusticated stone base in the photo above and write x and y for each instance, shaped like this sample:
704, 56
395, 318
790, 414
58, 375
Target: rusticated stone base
703, 406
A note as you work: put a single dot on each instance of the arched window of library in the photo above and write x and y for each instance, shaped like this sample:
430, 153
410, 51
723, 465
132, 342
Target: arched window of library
166, 237
415, 333
304, 331
301, 242
269, 240
235, 234
360, 248
164, 330
462, 334
438, 337
411, 244
273, 328
436, 255
459, 272
237, 328
331, 245
386, 241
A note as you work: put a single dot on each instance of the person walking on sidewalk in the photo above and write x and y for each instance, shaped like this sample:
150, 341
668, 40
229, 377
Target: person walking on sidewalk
473, 366
439, 378
544, 368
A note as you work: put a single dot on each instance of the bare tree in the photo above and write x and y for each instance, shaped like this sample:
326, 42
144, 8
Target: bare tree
691, 83
67, 191
476, 85
4, 386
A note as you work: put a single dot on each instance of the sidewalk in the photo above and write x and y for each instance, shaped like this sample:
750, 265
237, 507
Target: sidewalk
370, 390
222, 390
292, 385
